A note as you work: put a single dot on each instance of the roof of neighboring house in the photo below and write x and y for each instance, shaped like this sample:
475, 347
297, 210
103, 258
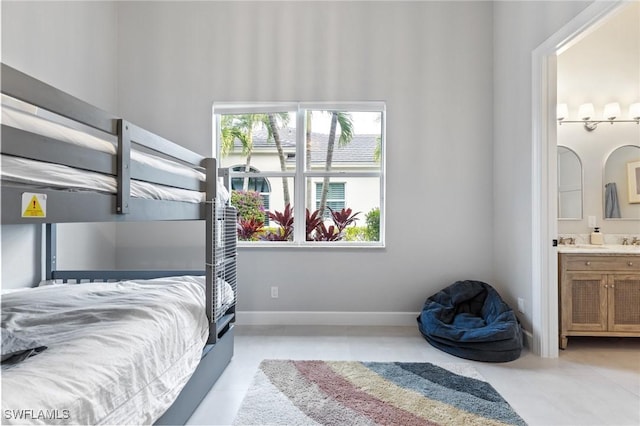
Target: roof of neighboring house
359, 150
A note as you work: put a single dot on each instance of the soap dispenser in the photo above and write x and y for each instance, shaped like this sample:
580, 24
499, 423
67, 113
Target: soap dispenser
596, 237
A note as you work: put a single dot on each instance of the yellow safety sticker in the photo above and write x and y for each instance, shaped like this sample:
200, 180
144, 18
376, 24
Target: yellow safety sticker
34, 205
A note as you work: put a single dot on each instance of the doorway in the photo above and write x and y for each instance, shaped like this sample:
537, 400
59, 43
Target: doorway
544, 173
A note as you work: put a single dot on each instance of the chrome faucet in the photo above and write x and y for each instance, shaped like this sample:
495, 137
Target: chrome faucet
567, 240
625, 241
636, 241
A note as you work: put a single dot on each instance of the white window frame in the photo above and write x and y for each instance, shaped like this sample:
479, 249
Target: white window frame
301, 173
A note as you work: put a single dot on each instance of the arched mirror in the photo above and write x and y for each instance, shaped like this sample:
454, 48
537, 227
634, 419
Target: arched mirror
569, 184
621, 183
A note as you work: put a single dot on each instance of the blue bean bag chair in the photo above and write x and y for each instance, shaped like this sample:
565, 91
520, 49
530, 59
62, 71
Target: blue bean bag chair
468, 319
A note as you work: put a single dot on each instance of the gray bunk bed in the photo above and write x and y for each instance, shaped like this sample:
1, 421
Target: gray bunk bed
53, 204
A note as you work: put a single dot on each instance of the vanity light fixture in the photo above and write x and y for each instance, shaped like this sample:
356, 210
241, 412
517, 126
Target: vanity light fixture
562, 111
586, 112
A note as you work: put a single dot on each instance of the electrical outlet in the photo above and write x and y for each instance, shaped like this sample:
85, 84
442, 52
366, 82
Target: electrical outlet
521, 305
274, 292
591, 221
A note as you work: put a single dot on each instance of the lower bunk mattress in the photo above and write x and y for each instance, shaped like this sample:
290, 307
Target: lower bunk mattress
105, 353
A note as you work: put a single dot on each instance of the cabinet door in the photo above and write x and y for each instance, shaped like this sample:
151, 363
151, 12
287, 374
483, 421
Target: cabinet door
584, 302
624, 302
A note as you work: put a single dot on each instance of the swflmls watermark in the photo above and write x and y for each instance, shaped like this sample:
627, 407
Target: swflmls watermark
27, 414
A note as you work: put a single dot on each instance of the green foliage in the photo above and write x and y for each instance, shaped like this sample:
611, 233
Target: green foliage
251, 214
373, 225
355, 233
249, 205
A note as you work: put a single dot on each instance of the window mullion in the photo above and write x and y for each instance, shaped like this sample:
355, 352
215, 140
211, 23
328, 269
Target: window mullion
340, 174
299, 226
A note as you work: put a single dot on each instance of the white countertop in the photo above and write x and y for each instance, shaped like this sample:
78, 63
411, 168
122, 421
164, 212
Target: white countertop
593, 249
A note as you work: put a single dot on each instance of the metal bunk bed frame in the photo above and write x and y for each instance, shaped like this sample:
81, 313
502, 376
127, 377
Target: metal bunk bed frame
67, 206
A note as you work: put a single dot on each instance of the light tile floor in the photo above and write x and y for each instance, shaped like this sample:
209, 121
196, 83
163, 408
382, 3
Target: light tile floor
595, 381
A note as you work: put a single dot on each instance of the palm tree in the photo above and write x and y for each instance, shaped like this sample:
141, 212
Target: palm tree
377, 152
346, 135
240, 127
308, 158
271, 122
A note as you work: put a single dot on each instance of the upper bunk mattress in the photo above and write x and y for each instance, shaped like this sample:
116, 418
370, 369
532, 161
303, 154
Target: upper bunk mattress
42, 126
117, 353
49, 175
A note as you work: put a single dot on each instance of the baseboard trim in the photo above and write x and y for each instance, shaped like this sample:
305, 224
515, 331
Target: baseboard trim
326, 318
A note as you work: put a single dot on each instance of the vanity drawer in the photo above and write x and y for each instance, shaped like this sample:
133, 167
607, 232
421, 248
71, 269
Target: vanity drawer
603, 263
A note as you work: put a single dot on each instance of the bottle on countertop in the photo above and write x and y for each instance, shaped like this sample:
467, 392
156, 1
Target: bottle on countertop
596, 237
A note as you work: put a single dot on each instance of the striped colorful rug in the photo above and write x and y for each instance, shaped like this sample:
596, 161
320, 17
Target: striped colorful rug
286, 392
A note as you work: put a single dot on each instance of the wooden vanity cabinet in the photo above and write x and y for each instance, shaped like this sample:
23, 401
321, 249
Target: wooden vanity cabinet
599, 295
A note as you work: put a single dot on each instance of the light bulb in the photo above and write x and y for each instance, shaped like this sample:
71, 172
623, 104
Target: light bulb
586, 111
611, 111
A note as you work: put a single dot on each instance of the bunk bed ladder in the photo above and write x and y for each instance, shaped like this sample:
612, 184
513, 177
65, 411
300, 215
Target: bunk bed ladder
210, 248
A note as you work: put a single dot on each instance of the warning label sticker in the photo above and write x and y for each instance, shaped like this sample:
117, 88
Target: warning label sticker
34, 205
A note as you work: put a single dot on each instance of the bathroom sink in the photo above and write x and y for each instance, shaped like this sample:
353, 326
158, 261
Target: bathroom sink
626, 248
583, 246
615, 248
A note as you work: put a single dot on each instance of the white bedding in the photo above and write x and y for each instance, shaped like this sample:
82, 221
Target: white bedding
41, 126
46, 174
22, 170
118, 353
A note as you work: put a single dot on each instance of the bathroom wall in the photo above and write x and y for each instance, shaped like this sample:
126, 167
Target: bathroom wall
519, 27
602, 67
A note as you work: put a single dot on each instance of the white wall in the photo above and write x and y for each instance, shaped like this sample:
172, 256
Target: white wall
71, 45
457, 81
432, 64
519, 27
602, 67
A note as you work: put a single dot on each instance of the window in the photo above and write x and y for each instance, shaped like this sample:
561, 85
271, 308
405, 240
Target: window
305, 174
334, 198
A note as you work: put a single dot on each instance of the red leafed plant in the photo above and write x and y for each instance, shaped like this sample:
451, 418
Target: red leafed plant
343, 218
313, 220
285, 220
249, 229
322, 233
316, 230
